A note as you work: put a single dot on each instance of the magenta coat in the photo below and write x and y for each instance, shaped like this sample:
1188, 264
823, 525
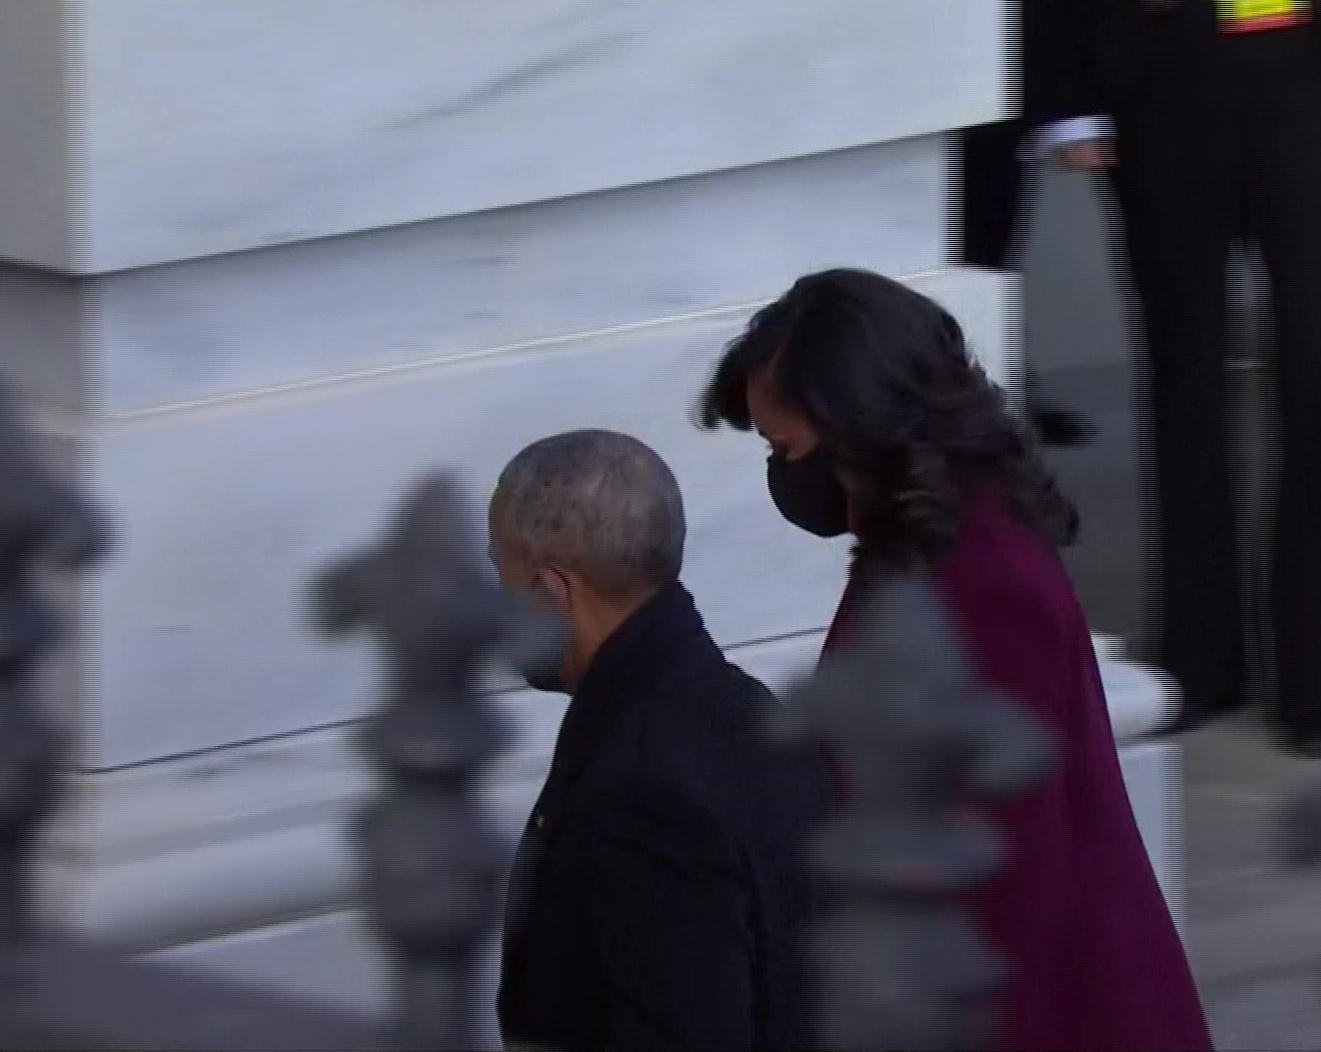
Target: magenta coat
1097, 963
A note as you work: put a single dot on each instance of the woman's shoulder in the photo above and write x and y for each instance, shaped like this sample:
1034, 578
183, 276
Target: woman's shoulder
1013, 602
996, 553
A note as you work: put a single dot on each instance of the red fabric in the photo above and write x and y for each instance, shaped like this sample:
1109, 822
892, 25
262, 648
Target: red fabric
839, 776
1097, 963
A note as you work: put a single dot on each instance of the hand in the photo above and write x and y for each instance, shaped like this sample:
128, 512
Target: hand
1090, 155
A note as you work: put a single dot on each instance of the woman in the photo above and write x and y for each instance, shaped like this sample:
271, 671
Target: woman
881, 425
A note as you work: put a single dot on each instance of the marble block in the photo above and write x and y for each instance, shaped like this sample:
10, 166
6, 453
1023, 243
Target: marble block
470, 285
225, 508
223, 125
215, 844
332, 958
181, 851
39, 177
329, 959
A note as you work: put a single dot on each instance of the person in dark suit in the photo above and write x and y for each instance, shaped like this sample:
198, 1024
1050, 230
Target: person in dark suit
657, 899
1216, 114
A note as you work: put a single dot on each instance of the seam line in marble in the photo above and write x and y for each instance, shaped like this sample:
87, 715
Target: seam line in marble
332, 734
312, 917
63, 424
268, 814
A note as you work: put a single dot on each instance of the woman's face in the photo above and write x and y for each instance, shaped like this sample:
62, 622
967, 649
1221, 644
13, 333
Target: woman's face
803, 486
789, 433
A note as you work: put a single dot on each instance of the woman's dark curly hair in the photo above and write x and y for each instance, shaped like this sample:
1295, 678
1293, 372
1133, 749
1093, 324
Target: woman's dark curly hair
909, 417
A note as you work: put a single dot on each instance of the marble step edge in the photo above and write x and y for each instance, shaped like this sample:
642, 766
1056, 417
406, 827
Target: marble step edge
169, 852
960, 289
185, 849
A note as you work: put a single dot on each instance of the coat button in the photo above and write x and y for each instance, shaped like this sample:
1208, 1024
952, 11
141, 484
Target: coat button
541, 821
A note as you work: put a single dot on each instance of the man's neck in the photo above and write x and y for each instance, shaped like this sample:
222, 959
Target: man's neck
603, 621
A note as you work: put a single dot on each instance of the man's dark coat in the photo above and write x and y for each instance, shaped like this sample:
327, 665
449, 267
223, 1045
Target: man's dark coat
658, 900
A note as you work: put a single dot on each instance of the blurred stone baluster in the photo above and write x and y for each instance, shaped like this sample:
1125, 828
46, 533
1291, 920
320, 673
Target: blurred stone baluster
898, 961
44, 525
433, 863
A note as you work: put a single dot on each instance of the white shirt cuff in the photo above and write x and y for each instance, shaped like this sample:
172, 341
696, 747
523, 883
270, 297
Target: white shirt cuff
1052, 136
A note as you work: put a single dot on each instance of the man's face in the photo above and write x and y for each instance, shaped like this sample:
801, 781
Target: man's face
540, 586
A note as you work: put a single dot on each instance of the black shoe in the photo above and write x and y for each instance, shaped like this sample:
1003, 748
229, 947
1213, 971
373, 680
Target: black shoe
1195, 717
1304, 743
1188, 720
1058, 427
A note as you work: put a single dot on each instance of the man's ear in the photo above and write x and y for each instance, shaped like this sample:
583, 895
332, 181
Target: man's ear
558, 586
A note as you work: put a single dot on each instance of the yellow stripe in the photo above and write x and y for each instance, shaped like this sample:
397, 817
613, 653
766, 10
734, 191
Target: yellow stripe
1254, 10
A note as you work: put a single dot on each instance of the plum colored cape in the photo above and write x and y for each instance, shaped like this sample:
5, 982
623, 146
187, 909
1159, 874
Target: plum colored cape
1095, 959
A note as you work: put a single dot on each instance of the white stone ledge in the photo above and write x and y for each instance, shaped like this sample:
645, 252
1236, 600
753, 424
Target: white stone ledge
197, 637
179, 333
228, 841
377, 114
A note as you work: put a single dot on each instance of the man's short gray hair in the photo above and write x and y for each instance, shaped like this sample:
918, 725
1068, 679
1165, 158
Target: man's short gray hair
597, 502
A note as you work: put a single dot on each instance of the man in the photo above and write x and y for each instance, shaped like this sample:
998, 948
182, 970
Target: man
1216, 108
657, 900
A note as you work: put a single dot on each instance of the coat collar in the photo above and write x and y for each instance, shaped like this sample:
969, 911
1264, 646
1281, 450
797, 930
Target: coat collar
620, 676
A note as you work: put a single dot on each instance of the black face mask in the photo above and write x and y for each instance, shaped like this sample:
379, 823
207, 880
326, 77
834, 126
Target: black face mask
549, 679
548, 674
808, 493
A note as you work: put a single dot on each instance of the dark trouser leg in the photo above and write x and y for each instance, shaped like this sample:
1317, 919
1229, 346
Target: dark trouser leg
1285, 203
994, 199
990, 192
1176, 188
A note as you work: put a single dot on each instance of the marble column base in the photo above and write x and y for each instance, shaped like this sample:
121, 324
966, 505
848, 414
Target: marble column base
249, 837
332, 957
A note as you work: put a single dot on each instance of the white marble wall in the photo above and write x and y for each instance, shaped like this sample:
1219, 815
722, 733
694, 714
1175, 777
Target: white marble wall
226, 508
448, 288
249, 835
197, 643
37, 132
318, 253
264, 125
235, 837
140, 132
231, 325
281, 264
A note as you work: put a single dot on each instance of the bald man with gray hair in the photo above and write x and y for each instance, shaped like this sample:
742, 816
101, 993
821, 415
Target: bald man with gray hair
591, 524
658, 897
